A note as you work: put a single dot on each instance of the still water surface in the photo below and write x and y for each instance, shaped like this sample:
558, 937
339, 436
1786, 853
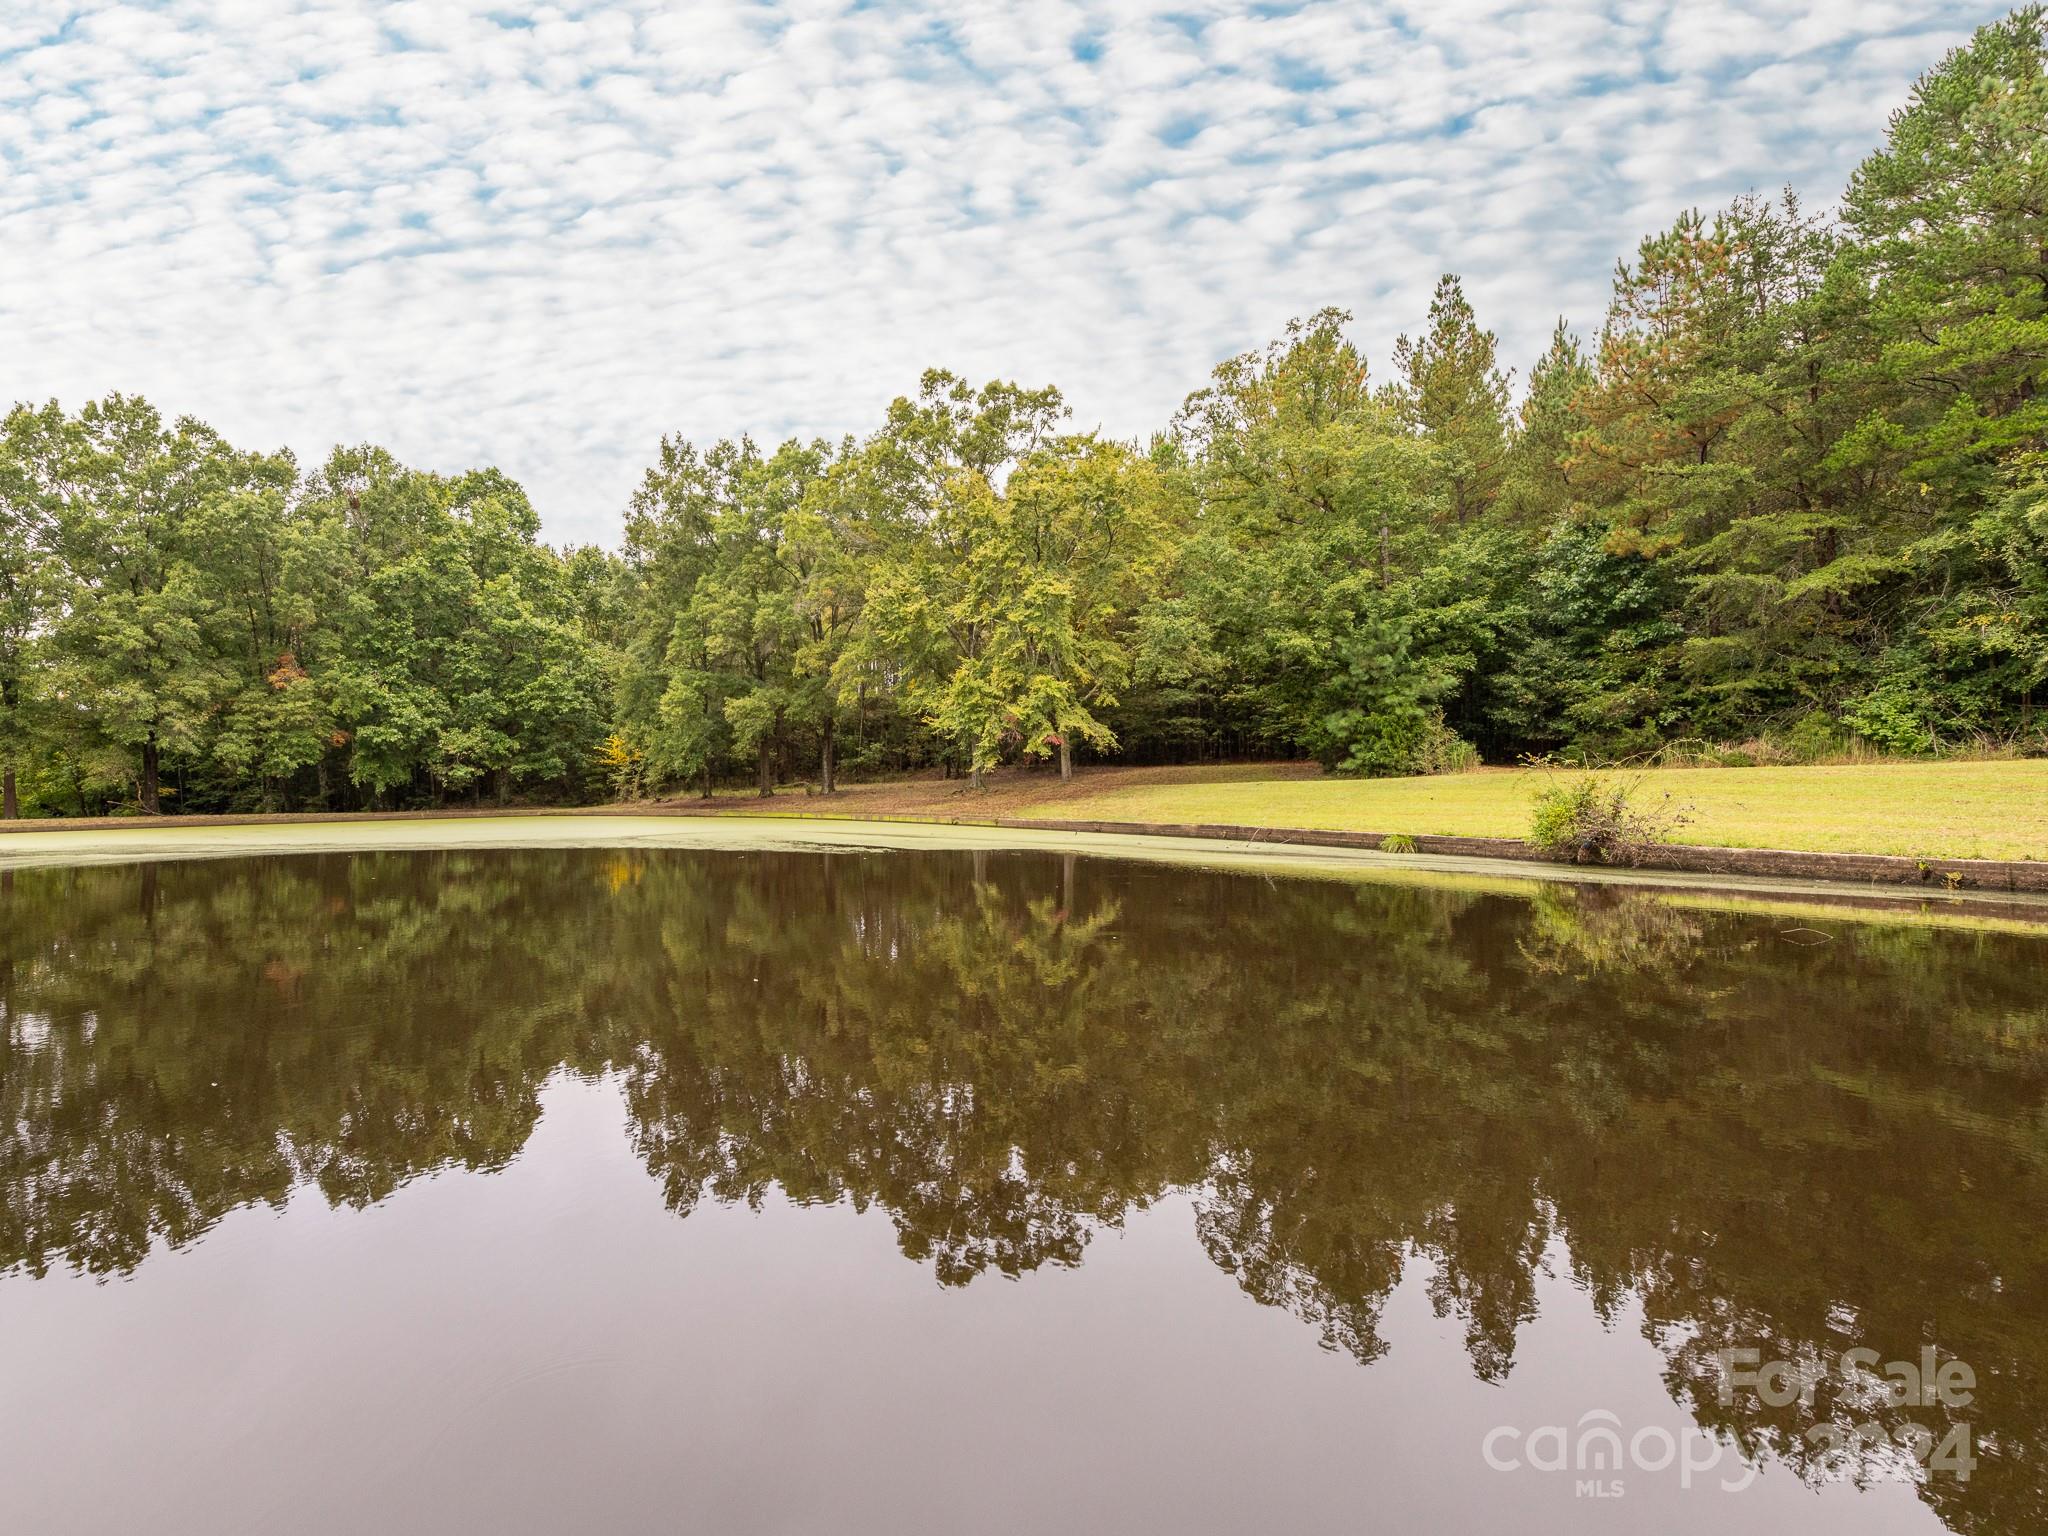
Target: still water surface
912, 1192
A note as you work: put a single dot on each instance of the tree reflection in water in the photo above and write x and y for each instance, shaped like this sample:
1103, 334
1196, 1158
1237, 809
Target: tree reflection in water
1798, 1148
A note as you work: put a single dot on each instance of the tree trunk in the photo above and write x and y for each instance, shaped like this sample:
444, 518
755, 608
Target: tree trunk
828, 761
1066, 760
707, 778
10, 802
764, 772
152, 801
974, 773
504, 786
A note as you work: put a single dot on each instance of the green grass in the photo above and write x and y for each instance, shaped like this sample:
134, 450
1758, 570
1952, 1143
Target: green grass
1985, 810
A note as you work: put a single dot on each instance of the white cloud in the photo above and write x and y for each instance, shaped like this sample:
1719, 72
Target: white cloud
542, 245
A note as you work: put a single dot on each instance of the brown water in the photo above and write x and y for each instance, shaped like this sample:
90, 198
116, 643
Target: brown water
802, 1192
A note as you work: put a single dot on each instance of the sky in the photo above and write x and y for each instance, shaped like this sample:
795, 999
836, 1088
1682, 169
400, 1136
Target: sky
480, 231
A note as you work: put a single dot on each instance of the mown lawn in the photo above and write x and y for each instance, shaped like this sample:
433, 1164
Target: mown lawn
1937, 810
1986, 810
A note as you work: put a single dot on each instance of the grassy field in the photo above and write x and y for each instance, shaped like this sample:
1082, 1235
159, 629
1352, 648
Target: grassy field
1953, 810
1991, 810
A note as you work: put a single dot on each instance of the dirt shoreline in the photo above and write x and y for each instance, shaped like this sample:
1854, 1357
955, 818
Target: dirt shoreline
1975, 883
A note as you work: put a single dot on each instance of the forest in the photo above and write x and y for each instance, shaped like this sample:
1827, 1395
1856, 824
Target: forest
1791, 500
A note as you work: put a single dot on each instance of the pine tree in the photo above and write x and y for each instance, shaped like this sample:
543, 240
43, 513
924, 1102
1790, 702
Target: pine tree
1449, 388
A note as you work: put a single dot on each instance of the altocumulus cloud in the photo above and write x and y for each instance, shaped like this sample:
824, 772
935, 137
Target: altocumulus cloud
476, 230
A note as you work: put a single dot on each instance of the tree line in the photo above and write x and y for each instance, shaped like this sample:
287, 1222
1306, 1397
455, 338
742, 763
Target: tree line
1792, 498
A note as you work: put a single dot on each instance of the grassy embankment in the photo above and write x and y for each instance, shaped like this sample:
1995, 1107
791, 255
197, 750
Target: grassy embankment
1986, 810
1991, 809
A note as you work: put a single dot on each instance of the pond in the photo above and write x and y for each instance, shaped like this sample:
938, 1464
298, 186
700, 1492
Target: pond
671, 1190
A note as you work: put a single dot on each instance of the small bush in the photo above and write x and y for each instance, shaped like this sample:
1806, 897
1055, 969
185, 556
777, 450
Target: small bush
1396, 744
1581, 819
1814, 737
1397, 842
1895, 718
1443, 750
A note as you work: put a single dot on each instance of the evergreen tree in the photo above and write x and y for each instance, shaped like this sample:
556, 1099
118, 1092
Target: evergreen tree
1450, 389
1950, 257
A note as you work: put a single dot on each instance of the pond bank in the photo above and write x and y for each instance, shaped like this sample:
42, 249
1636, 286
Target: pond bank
2000, 875
1864, 881
1964, 809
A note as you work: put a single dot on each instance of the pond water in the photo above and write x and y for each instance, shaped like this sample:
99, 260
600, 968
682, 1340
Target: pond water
921, 1192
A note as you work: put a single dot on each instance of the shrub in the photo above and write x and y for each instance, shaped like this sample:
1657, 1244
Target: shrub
1397, 743
1814, 736
1895, 717
1443, 750
1375, 745
1397, 842
1581, 819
